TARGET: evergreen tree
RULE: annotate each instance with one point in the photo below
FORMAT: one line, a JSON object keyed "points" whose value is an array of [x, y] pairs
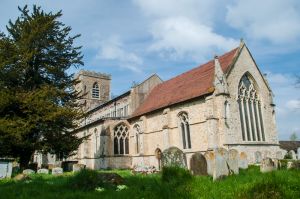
{"points": [[38, 103]]}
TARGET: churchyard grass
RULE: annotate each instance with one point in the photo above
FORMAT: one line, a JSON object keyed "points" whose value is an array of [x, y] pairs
{"points": [[248, 184]]}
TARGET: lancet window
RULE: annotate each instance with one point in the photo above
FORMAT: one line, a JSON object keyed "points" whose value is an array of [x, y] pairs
{"points": [[185, 130]]}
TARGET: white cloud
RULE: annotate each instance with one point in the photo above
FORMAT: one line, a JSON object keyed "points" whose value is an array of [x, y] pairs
{"points": [[277, 21], [113, 49], [184, 29], [293, 104], [182, 37]]}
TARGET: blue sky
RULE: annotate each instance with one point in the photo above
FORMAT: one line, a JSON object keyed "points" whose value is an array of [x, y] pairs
{"points": [[135, 38]]}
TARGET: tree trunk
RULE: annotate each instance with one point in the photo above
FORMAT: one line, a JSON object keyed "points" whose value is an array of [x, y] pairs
{"points": [[24, 160]]}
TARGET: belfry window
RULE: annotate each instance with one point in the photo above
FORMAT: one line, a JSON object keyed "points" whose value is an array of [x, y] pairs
{"points": [[95, 91], [121, 140], [185, 130], [250, 111]]}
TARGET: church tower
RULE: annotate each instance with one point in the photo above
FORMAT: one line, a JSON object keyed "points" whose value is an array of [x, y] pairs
{"points": [[95, 88]]}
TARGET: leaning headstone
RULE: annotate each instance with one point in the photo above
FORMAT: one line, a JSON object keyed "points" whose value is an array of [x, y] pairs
{"points": [[5, 168], [210, 160], [267, 165], [173, 157], [258, 157], [233, 161], [279, 155], [198, 164], [289, 165], [298, 153], [28, 171], [292, 154], [78, 167], [221, 168], [43, 171], [57, 171], [243, 161]]}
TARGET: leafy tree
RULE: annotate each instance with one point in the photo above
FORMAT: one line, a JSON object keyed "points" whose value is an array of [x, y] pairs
{"points": [[38, 103], [293, 137]]}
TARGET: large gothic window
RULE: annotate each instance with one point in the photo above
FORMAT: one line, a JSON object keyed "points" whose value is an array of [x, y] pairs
{"points": [[185, 130], [121, 140], [250, 110], [95, 90]]}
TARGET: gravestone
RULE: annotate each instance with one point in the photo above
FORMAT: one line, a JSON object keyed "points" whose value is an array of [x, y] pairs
{"points": [[43, 171], [289, 165], [292, 154], [78, 167], [28, 171], [298, 153], [173, 157], [210, 160], [243, 161], [5, 168], [258, 157], [233, 161], [267, 165], [220, 167], [198, 164], [279, 155], [57, 171]]}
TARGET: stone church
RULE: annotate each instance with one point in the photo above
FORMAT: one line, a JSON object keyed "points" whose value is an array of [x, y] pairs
{"points": [[226, 102]]}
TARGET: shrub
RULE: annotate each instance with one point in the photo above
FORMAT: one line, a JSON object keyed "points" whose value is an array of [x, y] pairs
{"points": [[85, 180]]}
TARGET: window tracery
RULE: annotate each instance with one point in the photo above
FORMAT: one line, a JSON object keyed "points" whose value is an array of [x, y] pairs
{"points": [[250, 111], [121, 140]]}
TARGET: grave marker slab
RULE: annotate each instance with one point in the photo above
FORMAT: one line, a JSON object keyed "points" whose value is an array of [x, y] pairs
{"points": [[57, 171], [198, 164], [221, 168], [292, 154], [267, 165], [243, 161], [43, 171], [28, 171], [173, 157], [233, 161], [210, 160], [258, 157]]}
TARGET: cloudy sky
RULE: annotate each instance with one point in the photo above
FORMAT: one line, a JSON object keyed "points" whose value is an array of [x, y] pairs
{"points": [[132, 39]]}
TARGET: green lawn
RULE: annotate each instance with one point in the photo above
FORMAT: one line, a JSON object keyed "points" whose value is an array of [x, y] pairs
{"points": [[248, 184]]}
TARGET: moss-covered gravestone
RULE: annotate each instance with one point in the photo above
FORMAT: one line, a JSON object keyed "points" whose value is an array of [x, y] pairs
{"points": [[198, 164], [173, 157]]}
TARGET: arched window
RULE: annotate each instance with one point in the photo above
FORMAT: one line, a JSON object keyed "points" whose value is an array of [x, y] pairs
{"points": [[185, 130], [250, 110], [121, 140], [95, 91], [137, 132]]}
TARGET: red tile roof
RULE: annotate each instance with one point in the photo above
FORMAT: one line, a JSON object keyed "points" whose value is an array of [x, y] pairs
{"points": [[194, 83]]}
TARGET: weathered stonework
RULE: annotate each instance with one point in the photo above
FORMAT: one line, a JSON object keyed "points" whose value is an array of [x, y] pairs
{"points": [[213, 121]]}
